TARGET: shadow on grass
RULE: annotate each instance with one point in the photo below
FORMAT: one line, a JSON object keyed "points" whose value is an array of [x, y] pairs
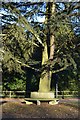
{"points": [[3, 102], [8, 116]]}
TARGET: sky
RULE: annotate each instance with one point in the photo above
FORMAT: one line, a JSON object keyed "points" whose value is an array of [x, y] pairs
{"points": [[37, 18]]}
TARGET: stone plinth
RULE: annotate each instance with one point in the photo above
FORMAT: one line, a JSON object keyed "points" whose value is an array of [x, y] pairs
{"points": [[42, 95]]}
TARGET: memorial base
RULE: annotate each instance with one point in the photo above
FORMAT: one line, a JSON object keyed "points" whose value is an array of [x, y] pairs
{"points": [[43, 95], [39, 97]]}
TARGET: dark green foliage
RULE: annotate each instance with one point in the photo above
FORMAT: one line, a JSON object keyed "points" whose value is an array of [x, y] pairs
{"points": [[24, 42], [13, 80]]}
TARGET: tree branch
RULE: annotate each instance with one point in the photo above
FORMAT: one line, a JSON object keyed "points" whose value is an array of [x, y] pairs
{"points": [[23, 64], [56, 71]]}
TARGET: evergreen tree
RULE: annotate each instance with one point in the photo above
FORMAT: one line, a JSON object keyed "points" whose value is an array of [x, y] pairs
{"points": [[25, 40]]}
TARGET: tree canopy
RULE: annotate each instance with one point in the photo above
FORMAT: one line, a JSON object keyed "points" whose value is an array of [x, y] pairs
{"points": [[25, 37]]}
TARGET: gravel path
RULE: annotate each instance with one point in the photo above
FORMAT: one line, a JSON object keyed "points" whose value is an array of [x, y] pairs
{"points": [[13, 108]]}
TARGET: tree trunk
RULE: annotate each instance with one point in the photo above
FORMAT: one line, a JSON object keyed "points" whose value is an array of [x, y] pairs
{"points": [[45, 80]]}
